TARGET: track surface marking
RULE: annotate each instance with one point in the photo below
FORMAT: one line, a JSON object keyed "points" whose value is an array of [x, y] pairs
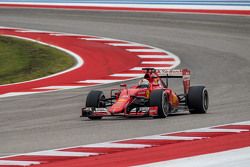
{"points": [[144, 150], [237, 7], [99, 61]]}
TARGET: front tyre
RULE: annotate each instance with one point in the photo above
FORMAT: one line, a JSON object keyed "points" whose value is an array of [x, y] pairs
{"points": [[159, 98], [95, 99], [197, 100]]}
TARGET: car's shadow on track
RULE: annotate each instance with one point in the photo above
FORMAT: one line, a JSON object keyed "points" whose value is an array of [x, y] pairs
{"points": [[121, 118]]}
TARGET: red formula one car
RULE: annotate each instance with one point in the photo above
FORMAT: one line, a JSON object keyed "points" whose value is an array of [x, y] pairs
{"points": [[151, 97]]}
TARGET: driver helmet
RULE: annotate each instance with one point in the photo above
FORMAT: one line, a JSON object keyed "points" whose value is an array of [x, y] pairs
{"points": [[144, 83], [154, 76]]}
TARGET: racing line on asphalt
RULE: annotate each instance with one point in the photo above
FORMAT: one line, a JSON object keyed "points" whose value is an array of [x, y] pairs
{"points": [[99, 61]]}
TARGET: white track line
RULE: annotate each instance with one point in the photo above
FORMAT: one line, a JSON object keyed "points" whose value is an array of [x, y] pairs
{"points": [[18, 163], [100, 81], [146, 50], [62, 153], [230, 158], [157, 62], [117, 145], [160, 137], [33, 31], [99, 39], [126, 44], [154, 56], [66, 34], [16, 94], [9, 28], [60, 87], [140, 68], [127, 75], [242, 123], [217, 130]]}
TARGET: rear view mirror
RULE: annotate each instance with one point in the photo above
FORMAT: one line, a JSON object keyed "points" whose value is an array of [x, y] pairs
{"points": [[123, 85]]}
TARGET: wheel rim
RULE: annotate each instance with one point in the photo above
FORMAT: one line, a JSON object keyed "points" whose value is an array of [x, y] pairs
{"points": [[164, 105], [205, 100], [101, 103]]}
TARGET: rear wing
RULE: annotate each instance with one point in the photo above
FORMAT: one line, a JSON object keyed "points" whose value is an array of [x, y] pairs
{"points": [[178, 73]]}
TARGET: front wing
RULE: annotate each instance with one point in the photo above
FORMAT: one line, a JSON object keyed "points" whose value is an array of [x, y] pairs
{"points": [[103, 112]]}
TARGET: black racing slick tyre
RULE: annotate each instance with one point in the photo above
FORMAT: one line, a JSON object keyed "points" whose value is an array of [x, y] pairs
{"points": [[198, 100], [159, 98], [95, 99]]}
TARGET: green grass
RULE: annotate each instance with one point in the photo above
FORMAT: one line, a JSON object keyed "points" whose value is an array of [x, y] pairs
{"points": [[22, 60]]}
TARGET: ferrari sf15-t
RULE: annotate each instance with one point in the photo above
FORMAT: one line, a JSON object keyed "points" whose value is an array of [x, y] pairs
{"points": [[150, 97]]}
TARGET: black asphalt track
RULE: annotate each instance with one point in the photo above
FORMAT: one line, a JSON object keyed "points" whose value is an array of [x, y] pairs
{"points": [[215, 48]]}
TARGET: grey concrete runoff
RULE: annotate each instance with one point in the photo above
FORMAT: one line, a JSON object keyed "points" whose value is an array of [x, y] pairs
{"points": [[215, 48]]}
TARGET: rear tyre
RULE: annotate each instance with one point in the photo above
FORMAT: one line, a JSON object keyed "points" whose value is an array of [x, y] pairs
{"points": [[198, 100], [159, 98], [95, 99]]}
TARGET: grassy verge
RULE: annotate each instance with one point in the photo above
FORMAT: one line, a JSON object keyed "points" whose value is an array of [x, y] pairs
{"points": [[22, 60]]}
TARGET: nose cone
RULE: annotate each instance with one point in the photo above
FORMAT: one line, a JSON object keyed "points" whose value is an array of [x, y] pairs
{"points": [[119, 105]]}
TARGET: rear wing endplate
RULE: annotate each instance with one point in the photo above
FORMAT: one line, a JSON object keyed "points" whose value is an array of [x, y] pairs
{"points": [[177, 73]]}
